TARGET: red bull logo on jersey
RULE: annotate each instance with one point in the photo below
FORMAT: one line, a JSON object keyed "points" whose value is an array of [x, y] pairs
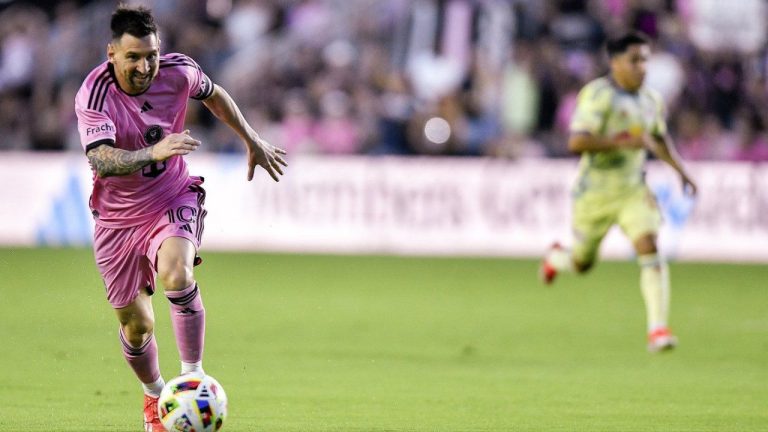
{"points": [[106, 127]]}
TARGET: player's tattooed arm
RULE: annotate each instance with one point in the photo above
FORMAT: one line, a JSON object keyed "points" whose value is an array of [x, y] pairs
{"points": [[108, 161]]}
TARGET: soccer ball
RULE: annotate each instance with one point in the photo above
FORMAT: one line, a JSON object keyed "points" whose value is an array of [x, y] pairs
{"points": [[192, 403]]}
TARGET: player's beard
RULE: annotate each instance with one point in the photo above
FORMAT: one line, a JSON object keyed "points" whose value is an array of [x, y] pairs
{"points": [[141, 82]]}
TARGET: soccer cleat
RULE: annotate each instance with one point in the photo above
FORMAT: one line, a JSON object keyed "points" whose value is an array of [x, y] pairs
{"points": [[548, 272], [661, 339], [151, 419]]}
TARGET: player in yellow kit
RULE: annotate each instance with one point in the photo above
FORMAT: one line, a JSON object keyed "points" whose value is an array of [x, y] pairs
{"points": [[616, 123]]}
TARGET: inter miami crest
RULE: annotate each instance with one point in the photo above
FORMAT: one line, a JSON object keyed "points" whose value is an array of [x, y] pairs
{"points": [[153, 134]]}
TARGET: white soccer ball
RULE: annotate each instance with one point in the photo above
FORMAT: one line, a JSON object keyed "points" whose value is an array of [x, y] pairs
{"points": [[192, 403]]}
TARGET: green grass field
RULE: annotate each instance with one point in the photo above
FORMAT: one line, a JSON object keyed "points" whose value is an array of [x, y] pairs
{"points": [[316, 343]]}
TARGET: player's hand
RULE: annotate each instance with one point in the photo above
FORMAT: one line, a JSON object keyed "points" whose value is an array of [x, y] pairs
{"points": [[689, 187], [267, 156], [173, 145]]}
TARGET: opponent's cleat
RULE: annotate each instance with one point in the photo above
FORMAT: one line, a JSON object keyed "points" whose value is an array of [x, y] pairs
{"points": [[547, 272], [151, 419], [661, 340]]}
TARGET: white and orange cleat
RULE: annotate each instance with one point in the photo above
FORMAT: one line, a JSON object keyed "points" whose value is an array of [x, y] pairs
{"points": [[660, 340], [548, 272], [151, 419]]}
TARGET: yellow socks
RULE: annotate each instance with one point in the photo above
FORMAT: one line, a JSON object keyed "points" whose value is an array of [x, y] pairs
{"points": [[654, 284]]}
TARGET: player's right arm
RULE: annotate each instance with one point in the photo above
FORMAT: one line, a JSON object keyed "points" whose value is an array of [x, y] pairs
{"points": [[108, 161], [586, 142], [581, 142]]}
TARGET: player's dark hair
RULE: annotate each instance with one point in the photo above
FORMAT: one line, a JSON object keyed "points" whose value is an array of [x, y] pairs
{"points": [[137, 22], [619, 45]]}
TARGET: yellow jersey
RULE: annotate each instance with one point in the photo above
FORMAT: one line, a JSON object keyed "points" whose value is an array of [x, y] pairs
{"points": [[604, 109]]}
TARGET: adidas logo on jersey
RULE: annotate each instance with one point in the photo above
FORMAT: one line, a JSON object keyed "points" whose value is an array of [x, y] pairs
{"points": [[146, 107]]}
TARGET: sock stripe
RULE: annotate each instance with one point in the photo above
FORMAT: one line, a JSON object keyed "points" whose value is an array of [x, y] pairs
{"points": [[185, 299], [134, 351]]}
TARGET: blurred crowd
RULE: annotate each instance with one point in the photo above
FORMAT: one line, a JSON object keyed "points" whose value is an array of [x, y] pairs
{"points": [[429, 77]]}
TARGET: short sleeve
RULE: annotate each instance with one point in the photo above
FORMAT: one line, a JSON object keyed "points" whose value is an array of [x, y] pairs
{"points": [[200, 86], [592, 107], [95, 128]]}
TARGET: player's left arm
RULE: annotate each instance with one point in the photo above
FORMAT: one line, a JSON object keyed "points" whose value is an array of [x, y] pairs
{"points": [[260, 152], [664, 149], [660, 144]]}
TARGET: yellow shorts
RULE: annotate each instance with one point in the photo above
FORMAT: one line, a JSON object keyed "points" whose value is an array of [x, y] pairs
{"points": [[594, 213]]}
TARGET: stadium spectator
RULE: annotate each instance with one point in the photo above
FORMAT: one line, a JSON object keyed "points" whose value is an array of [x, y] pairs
{"points": [[444, 49]]}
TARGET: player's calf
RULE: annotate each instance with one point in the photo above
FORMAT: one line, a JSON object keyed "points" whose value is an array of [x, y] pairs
{"points": [[188, 320]]}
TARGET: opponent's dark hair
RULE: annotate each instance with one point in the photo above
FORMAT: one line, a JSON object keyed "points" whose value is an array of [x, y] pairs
{"points": [[619, 45], [137, 22]]}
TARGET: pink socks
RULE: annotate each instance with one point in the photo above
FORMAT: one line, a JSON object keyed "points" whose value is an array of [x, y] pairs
{"points": [[188, 318], [143, 360]]}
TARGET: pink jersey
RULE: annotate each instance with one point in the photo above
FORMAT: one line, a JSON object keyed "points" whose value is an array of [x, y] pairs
{"points": [[106, 115]]}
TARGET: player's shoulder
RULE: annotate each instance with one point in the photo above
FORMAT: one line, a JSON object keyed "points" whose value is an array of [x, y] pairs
{"points": [[598, 85], [177, 60], [652, 94], [96, 77], [94, 88], [596, 91]]}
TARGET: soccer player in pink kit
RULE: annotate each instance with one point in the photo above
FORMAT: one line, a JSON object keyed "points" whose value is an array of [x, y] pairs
{"points": [[148, 210]]}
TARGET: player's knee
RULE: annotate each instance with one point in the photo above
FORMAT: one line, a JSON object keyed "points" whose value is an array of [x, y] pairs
{"points": [[176, 277], [646, 244], [138, 329]]}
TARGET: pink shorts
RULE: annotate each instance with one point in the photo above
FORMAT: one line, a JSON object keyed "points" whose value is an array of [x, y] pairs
{"points": [[127, 257]]}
